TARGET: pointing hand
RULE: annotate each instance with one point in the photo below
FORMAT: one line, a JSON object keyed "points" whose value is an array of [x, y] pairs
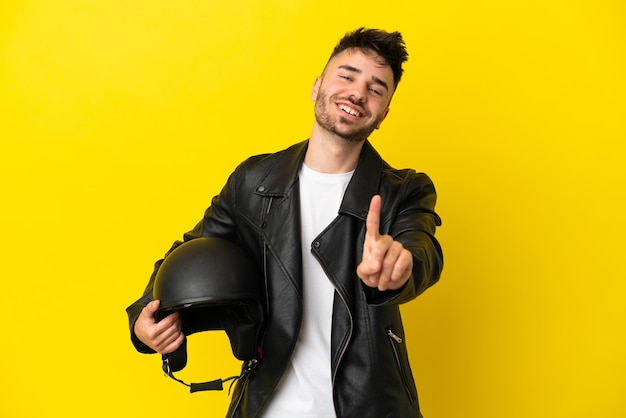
{"points": [[386, 264]]}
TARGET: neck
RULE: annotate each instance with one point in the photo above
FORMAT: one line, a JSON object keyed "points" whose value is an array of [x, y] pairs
{"points": [[328, 153]]}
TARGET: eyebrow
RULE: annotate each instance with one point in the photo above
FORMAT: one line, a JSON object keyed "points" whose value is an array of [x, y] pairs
{"points": [[359, 71]]}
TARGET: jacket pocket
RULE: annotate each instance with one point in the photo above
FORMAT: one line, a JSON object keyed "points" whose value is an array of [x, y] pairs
{"points": [[396, 343]]}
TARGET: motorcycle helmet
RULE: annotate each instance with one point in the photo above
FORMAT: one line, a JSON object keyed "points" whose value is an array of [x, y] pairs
{"points": [[214, 285]]}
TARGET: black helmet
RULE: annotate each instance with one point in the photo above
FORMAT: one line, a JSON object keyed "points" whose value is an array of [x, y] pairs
{"points": [[214, 285]]}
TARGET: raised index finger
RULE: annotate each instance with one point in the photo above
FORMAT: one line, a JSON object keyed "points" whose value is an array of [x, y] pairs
{"points": [[372, 222]]}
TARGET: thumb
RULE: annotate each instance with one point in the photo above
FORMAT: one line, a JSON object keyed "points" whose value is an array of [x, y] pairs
{"points": [[153, 306]]}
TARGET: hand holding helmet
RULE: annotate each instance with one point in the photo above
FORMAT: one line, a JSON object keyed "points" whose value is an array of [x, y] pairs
{"points": [[205, 284], [164, 336]]}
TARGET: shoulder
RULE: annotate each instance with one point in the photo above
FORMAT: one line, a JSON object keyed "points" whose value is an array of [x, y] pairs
{"points": [[408, 191], [270, 173], [406, 179], [266, 161]]}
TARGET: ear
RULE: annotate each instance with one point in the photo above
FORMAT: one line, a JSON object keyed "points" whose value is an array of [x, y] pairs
{"points": [[382, 119], [316, 88]]}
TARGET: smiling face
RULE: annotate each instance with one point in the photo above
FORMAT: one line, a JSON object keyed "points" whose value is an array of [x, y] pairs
{"points": [[352, 96]]}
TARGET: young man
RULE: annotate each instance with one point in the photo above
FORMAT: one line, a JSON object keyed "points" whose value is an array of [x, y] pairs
{"points": [[344, 240]]}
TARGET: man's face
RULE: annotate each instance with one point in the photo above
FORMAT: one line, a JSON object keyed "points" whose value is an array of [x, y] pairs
{"points": [[352, 96]]}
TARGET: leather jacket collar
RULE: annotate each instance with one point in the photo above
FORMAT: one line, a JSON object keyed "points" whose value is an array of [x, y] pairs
{"points": [[365, 182]]}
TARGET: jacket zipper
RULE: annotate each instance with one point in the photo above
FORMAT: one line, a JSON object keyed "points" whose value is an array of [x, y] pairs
{"points": [[345, 345], [247, 377], [243, 385], [395, 342]]}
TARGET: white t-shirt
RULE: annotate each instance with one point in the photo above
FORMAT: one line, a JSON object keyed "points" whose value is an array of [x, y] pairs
{"points": [[305, 390]]}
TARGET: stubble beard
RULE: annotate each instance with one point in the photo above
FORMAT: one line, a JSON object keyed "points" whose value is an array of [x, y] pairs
{"points": [[325, 120]]}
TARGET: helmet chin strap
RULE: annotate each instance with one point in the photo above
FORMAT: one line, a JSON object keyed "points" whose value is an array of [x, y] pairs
{"points": [[213, 384], [177, 360]]}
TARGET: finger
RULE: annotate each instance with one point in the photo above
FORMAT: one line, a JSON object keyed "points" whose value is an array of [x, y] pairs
{"points": [[170, 332], [370, 281], [372, 222], [171, 320], [400, 272], [367, 269], [367, 274], [173, 346], [378, 253], [151, 308], [389, 258], [403, 267], [167, 339]]}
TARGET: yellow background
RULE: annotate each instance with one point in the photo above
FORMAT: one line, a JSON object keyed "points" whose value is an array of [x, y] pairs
{"points": [[120, 119]]}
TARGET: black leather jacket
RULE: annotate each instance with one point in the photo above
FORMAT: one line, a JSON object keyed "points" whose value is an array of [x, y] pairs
{"points": [[259, 209]]}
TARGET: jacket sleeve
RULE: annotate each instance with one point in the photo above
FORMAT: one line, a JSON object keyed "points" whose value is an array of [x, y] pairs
{"points": [[412, 221], [218, 221]]}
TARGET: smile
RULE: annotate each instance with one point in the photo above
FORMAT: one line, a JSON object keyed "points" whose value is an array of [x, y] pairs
{"points": [[349, 110]]}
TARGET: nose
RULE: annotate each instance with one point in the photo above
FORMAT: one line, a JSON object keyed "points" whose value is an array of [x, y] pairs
{"points": [[358, 93]]}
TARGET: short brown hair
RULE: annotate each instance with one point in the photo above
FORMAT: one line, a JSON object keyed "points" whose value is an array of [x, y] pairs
{"points": [[388, 45]]}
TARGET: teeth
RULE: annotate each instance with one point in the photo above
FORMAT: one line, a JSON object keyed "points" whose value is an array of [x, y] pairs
{"points": [[349, 110]]}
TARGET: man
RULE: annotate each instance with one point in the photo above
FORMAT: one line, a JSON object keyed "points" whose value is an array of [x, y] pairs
{"points": [[344, 240]]}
